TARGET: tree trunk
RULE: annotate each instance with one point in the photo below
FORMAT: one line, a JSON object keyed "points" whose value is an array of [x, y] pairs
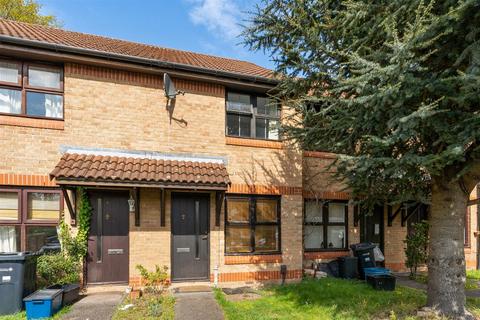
{"points": [[446, 262]]}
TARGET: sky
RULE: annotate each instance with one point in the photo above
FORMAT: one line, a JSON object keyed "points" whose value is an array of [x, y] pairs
{"points": [[205, 26]]}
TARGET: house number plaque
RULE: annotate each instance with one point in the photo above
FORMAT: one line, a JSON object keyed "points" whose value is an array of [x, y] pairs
{"points": [[180, 250]]}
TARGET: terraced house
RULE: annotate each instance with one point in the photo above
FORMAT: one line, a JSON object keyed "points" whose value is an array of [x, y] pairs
{"points": [[200, 182]]}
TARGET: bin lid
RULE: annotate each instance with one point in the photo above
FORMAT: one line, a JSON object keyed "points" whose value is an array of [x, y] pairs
{"points": [[14, 256], [44, 294]]}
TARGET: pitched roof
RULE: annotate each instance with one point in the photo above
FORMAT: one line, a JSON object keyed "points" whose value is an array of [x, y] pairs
{"points": [[94, 43], [133, 170]]}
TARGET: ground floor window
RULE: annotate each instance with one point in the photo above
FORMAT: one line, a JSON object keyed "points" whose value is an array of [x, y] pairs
{"points": [[325, 225], [28, 218], [252, 225]]}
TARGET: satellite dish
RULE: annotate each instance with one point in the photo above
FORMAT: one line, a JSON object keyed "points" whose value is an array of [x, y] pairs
{"points": [[169, 87]]}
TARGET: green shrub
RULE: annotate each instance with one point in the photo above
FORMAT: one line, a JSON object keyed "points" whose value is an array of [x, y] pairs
{"points": [[57, 269], [155, 280], [416, 249]]}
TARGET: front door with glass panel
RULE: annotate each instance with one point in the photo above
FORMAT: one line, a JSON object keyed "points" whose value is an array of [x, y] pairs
{"points": [[108, 243], [190, 236], [371, 227]]}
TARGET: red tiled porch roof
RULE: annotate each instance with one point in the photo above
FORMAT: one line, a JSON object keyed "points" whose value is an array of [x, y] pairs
{"points": [[143, 171], [99, 44]]}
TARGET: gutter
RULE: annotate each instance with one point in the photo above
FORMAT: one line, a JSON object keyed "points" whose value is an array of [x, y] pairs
{"points": [[137, 60]]}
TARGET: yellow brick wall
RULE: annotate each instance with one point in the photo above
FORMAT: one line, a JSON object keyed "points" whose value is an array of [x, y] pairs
{"points": [[106, 113]]}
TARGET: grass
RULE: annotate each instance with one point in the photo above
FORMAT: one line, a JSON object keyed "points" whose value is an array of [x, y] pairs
{"points": [[325, 299], [22, 315], [330, 298], [148, 307], [472, 282]]}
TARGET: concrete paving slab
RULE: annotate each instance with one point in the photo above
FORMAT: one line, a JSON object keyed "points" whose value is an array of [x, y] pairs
{"points": [[198, 306], [95, 306]]}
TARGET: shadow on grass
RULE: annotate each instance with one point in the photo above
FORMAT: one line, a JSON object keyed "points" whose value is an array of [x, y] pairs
{"points": [[325, 299]]}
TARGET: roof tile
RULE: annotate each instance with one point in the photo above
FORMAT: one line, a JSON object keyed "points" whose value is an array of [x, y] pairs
{"points": [[92, 168], [79, 40]]}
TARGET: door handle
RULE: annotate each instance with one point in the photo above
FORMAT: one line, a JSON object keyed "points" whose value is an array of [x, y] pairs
{"points": [[204, 237]]}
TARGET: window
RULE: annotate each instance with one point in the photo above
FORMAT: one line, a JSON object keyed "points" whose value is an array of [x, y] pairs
{"points": [[325, 225], [28, 218], [252, 225], [466, 229], [252, 116], [31, 90]]}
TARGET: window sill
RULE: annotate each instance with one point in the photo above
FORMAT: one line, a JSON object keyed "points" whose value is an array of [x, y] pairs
{"points": [[20, 121], [247, 142], [253, 259]]}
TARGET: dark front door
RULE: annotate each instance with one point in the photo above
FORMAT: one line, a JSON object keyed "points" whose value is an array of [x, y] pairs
{"points": [[371, 227], [108, 238], [190, 236]]}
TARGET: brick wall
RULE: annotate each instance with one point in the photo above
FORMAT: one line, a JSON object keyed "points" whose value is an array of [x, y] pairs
{"points": [[107, 108]]}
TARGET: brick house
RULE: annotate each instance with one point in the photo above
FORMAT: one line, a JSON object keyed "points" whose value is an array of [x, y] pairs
{"points": [[201, 183]]}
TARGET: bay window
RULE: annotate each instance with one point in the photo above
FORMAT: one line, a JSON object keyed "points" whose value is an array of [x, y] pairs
{"points": [[28, 218], [31, 90], [325, 225], [251, 116], [252, 225]]}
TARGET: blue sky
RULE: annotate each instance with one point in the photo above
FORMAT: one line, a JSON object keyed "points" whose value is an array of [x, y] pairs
{"points": [[206, 26]]}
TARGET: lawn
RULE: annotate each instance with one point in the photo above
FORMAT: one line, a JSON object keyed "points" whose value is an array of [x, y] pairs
{"points": [[329, 299], [471, 283], [22, 315], [147, 307]]}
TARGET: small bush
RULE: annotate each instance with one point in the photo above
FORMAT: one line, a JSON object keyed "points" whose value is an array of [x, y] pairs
{"points": [[155, 280], [57, 269], [416, 249]]}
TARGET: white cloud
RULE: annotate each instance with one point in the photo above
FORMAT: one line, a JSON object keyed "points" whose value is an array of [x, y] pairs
{"points": [[220, 17]]}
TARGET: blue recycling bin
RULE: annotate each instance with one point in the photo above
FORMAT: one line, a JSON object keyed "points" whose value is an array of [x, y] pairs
{"points": [[377, 271], [43, 303]]}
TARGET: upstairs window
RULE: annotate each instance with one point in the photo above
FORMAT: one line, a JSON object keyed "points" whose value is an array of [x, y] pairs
{"points": [[251, 116], [31, 90]]}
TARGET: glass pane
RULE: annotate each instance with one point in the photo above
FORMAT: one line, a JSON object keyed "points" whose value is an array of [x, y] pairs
{"points": [[9, 72], [267, 106], [45, 105], [9, 206], [42, 238], [313, 211], [245, 128], [336, 237], [313, 237], [237, 239], [238, 210], [9, 238], [261, 128], [266, 210], [43, 206], [272, 133], [336, 212], [233, 125], [239, 102], [266, 238], [10, 101], [44, 77]]}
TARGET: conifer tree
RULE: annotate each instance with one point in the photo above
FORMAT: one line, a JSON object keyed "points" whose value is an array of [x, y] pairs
{"points": [[393, 88]]}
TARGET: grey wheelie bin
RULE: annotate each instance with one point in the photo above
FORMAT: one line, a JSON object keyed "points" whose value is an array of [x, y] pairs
{"points": [[17, 280]]}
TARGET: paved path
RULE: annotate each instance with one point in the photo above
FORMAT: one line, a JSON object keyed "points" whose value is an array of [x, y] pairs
{"points": [[198, 306], [404, 280], [95, 306]]}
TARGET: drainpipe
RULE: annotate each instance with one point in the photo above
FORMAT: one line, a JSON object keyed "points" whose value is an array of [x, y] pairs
{"points": [[477, 235]]}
